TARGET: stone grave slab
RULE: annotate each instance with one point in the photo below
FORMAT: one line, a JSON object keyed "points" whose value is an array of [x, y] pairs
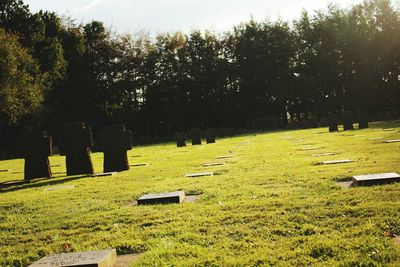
{"points": [[225, 157], [136, 156], [340, 161], [59, 188], [138, 165], [213, 164], [56, 165], [104, 174], [324, 154], [310, 148], [200, 174], [298, 141], [389, 130], [375, 138], [392, 141], [162, 198], [376, 179], [101, 258], [5, 170]]}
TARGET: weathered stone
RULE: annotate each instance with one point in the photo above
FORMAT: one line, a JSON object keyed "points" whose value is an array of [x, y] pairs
{"points": [[75, 141], [213, 164], [195, 135], [337, 161], [310, 148], [104, 174], [348, 120], [375, 138], [363, 119], [180, 138], [225, 157], [392, 141], [376, 179], [201, 174], [324, 154], [103, 258], [36, 147], [210, 135], [162, 198], [115, 141], [138, 165], [333, 122]]}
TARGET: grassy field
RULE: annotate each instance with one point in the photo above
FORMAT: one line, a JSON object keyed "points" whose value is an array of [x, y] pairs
{"points": [[270, 204]]}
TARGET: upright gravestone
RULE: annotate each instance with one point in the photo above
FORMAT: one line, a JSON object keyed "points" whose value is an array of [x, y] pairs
{"points": [[195, 135], [115, 141], [363, 119], [75, 141], [348, 120], [333, 123], [180, 138], [210, 134], [36, 150]]}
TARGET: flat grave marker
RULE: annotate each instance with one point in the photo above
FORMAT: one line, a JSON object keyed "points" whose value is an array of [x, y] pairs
{"points": [[162, 198], [59, 188], [389, 130], [310, 148], [375, 138], [213, 164], [138, 164], [200, 174], [375, 179], [56, 165], [5, 170], [136, 156], [324, 154], [104, 174], [341, 161], [392, 141], [101, 258], [225, 157]]}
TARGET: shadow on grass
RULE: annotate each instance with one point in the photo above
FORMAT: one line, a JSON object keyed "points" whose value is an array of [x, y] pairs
{"points": [[16, 185]]}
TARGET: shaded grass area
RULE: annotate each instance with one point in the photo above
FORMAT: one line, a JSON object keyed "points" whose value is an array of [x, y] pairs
{"points": [[270, 204]]}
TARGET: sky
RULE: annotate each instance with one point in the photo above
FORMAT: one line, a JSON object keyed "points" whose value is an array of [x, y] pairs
{"points": [[155, 16]]}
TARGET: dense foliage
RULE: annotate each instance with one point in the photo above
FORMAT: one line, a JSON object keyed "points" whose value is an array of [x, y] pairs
{"points": [[331, 61]]}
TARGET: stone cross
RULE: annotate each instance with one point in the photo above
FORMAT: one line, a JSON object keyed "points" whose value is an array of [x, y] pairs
{"points": [[362, 120], [348, 120], [36, 150], [115, 141], [180, 138], [195, 134], [75, 141], [210, 134], [333, 123]]}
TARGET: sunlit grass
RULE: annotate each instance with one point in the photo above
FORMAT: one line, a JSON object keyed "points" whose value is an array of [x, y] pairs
{"points": [[269, 204]]}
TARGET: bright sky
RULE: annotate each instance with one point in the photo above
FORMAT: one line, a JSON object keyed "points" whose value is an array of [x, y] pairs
{"points": [[172, 15]]}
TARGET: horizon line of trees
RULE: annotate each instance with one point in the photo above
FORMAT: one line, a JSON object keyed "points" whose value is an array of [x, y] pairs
{"points": [[54, 71]]}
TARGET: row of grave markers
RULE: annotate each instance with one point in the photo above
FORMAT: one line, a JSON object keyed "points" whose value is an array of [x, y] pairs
{"points": [[75, 141]]}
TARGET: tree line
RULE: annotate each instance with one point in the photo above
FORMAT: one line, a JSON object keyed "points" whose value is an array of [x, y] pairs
{"points": [[54, 71]]}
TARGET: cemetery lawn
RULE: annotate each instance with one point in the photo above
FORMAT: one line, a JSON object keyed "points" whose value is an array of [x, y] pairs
{"points": [[270, 204]]}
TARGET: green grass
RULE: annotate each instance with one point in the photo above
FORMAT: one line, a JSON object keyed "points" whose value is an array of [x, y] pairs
{"points": [[269, 205]]}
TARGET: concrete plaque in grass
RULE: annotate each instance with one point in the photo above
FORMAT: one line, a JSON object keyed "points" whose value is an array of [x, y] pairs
{"points": [[392, 141], [200, 174], [102, 258], [5, 170], [213, 164], [310, 148], [376, 179], [162, 198], [138, 165], [104, 174], [340, 161], [375, 138], [225, 157], [324, 154]]}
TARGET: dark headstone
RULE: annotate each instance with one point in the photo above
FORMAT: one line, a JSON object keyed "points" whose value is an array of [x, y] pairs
{"points": [[210, 134], [195, 135], [103, 258], [36, 150], [348, 120], [162, 198], [333, 123], [180, 138], [75, 142], [115, 141], [375, 179], [363, 119]]}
